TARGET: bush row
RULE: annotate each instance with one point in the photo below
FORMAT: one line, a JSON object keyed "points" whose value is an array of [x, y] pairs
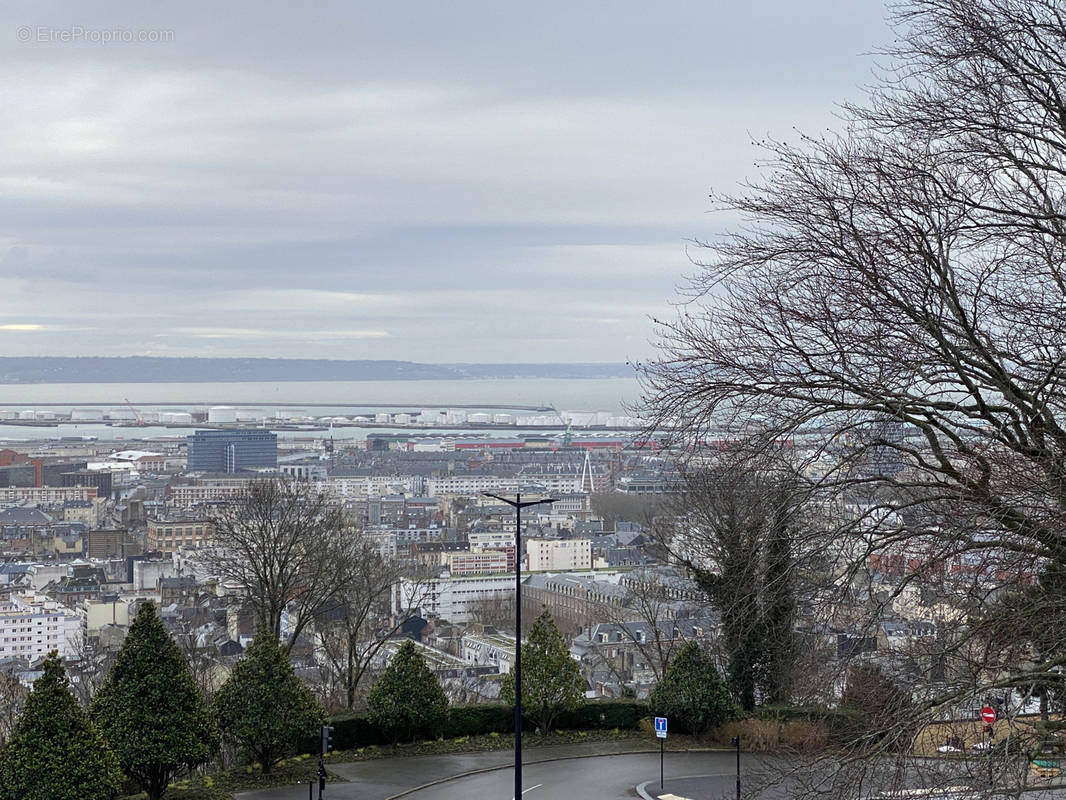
{"points": [[352, 731], [840, 724]]}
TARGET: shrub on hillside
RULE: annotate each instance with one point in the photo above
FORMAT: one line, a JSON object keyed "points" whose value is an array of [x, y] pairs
{"points": [[407, 700]]}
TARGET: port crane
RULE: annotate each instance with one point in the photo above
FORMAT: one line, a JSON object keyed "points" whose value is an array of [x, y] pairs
{"points": [[136, 414]]}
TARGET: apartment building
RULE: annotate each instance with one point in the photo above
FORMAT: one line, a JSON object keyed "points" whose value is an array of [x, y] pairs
{"points": [[451, 597], [558, 555], [467, 562], [187, 495], [32, 625], [361, 487], [488, 647], [168, 535], [46, 495]]}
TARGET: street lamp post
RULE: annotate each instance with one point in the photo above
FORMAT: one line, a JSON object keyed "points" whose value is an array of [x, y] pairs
{"points": [[517, 504]]}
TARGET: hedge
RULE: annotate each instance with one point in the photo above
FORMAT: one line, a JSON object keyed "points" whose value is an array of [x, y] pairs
{"points": [[352, 731], [604, 715], [478, 720]]}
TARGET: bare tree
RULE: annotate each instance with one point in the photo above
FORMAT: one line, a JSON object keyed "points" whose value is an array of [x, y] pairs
{"points": [[87, 664], [893, 305], [12, 698], [355, 625], [495, 610], [202, 658], [289, 547]]}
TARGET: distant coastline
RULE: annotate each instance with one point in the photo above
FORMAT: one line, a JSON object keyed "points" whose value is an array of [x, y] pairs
{"points": [[23, 370]]}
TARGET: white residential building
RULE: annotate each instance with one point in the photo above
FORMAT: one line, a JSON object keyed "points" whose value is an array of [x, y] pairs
{"points": [[32, 625], [361, 487], [475, 484], [46, 495], [489, 649], [451, 598], [558, 555], [481, 540]]}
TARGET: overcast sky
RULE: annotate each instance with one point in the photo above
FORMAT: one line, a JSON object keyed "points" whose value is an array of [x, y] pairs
{"points": [[462, 181]]}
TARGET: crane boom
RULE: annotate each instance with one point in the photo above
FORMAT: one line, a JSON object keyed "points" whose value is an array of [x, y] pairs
{"points": [[136, 414]]}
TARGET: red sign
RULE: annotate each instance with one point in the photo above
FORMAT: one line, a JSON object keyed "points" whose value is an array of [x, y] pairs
{"points": [[988, 714]]}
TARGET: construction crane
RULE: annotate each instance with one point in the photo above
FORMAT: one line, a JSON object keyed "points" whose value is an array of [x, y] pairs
{"points": [[136, 414]]}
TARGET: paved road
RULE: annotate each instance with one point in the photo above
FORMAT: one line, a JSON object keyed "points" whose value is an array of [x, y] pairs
{"points": [[575, 771], [600, 776]]}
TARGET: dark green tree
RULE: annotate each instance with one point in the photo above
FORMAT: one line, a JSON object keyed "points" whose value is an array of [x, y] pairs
{"points": [[551, 679], [150, 710], [692, 692], [407, 699], [263, 706], [55, 752], [740, 519]]}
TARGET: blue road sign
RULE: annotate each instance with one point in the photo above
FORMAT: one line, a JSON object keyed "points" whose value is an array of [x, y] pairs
{"points": [[660, 727]]}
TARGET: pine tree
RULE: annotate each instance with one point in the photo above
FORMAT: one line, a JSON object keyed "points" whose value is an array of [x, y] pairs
{"points": [[551, 679], [692, 692], [263, 706], [55, 752], [407, 699], [150, 710]]}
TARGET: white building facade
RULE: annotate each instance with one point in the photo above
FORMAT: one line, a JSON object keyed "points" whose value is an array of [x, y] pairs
{"points": [[452, 598], [32, 625], [558, 555]]}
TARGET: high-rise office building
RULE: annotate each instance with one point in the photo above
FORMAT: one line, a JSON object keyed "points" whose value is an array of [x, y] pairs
{"points": [[232, 451]]}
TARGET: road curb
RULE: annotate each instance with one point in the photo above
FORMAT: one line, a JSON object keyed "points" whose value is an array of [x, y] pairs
{"points": [[484, 770]]}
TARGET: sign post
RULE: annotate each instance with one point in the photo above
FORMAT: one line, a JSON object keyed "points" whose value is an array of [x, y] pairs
{"points": [[988, 715], [660, 733]]}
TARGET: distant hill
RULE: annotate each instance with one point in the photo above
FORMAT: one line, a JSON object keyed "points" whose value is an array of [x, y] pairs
{"points": [[143, 369]]}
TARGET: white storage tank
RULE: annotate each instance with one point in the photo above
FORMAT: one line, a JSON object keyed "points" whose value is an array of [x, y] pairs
{"points": [[8, 413], [221, 414], [503, 419], [87, 415], [28, 413], [479, 418], [382, 417]]}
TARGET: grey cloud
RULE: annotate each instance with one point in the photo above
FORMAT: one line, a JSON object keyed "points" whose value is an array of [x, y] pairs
{"points": [[414, 169]]}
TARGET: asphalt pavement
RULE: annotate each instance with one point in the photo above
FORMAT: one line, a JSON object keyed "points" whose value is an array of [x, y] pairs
{"points": [[601, 769]]}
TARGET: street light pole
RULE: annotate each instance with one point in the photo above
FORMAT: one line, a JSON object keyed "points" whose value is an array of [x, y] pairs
{"points": [[518, 505], [736, 744]]}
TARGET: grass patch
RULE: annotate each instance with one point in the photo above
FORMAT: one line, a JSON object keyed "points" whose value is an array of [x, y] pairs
{"points": [[220, 785]]}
